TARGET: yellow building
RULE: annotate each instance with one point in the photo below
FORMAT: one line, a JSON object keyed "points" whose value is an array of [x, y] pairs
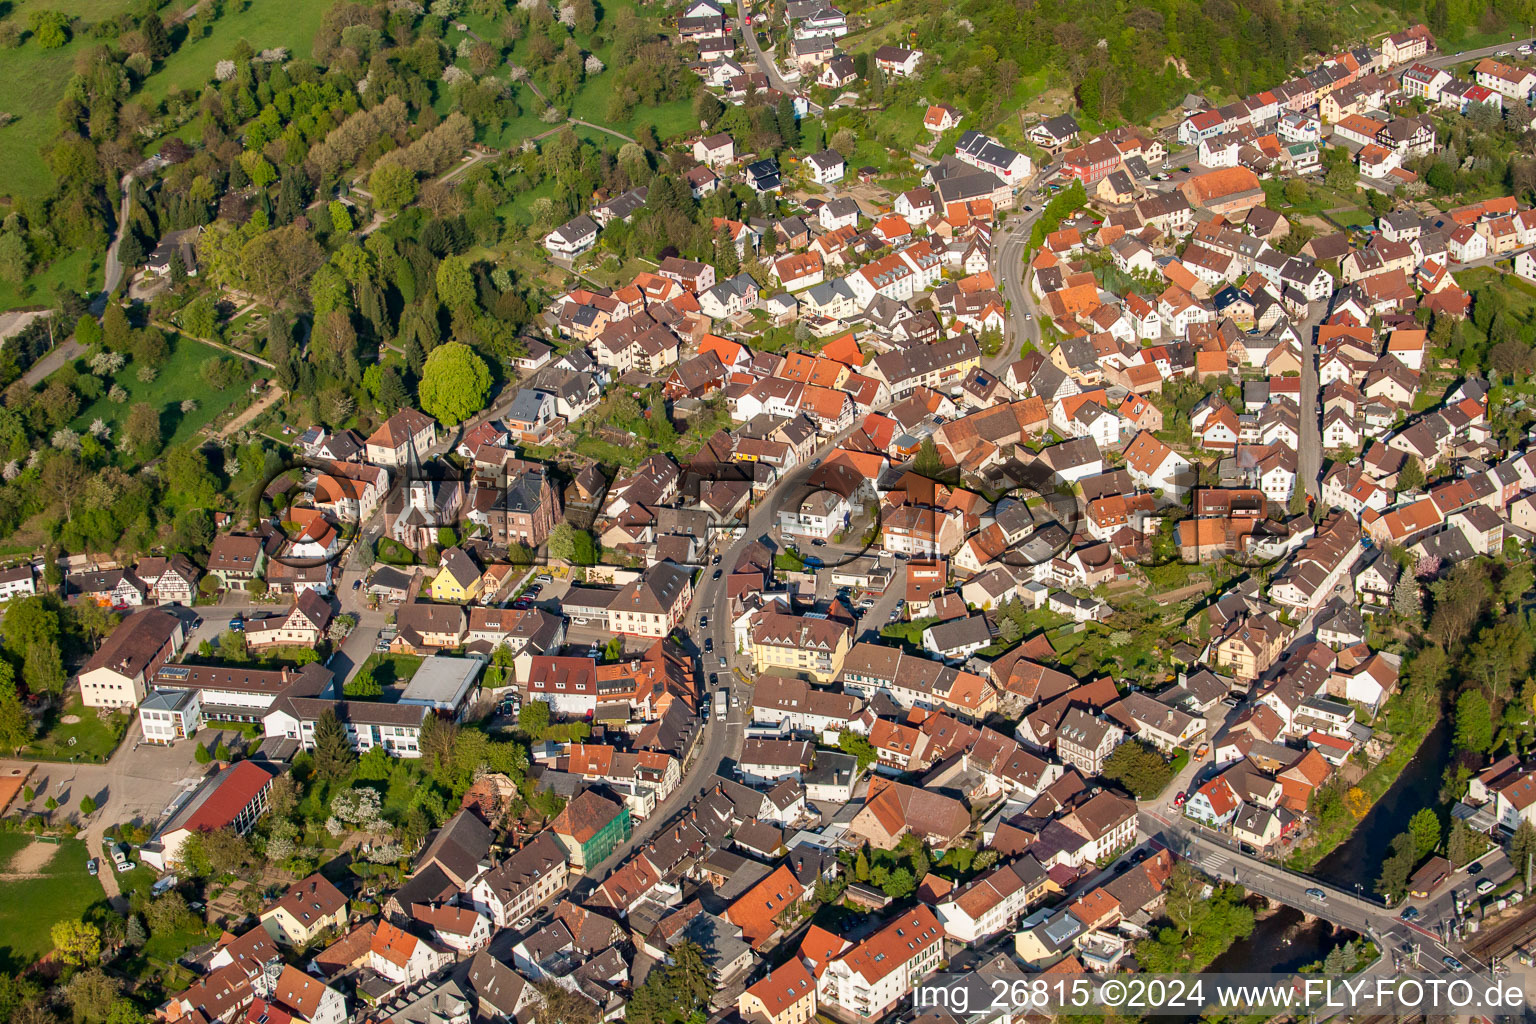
{"points": [[786, 996], [813, 647], [306, 910], [459, 580]]}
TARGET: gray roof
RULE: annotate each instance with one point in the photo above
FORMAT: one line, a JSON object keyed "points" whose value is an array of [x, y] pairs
{"points": [[527, 405], [442, 681], [576, 229]]}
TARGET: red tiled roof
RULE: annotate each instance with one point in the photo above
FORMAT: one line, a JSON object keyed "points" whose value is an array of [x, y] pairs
{"points": [[238, 788]]}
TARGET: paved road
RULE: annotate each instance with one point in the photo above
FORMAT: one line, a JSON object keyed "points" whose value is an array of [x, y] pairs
{"points": [[1212, 853], [1309, 453], [114, 266], [1008, 247], [56, 357], [1446, 60], [764, 61]]}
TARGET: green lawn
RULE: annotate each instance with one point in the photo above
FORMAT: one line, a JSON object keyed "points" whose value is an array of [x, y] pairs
{"points": [[179, 379], [94, 738], [1353, 218], [29, 907], [264, 25], [31, 87], [80, 270], [389, 669]]}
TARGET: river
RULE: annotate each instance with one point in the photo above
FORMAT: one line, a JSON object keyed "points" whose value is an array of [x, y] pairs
{"points": [[1284, 941]]}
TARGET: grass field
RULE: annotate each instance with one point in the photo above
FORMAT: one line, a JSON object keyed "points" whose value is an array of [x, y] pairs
{"points": [[31, 87], [179, 379], [265, 24], [389, 669], [94, 738], [80, 270], [29, 907]]}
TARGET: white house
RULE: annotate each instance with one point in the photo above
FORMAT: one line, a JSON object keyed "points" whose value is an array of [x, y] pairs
{"points": [[826, 167], [572, 238], [1153, 464]]}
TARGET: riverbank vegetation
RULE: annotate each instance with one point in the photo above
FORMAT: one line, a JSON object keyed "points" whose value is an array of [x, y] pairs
{"points": [[1473, 648], [1201, 920]]}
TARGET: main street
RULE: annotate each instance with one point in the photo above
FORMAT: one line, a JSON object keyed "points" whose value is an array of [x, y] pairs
{"points": [[1309, 451], [721, 741], [1008, 251]]}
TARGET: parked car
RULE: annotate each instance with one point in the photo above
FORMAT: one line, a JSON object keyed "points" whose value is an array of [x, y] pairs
{"points": [[237, 624], [1485, 886], [544, 577], [357, 584], [91, 866], [1178, 800], [1202, 750]]}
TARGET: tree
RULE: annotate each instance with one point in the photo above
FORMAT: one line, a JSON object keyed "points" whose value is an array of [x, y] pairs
{"points": [[850, 742], [43, 668], [1395, 869], [87, 805], [363, 685], [1522, 849], [1474, 722], [1424, 827], [136, 934], [116, 331], [1185, 902], [15, 722], [166, 913], [927, 462], [899, 884], [76, 942], [201, 755], [15, 258], [1139, 768], [1408, 601], [563, 1006], [789, 127], [392, 186], [91, 993], [1464, 845], [49, 28], [688, 978], [227, 851], [1411, 476], [341, 217], [142, 430], [333, 754], [533, 719], [568, 543], [455, 283], [454, 383], [201, 318]]}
